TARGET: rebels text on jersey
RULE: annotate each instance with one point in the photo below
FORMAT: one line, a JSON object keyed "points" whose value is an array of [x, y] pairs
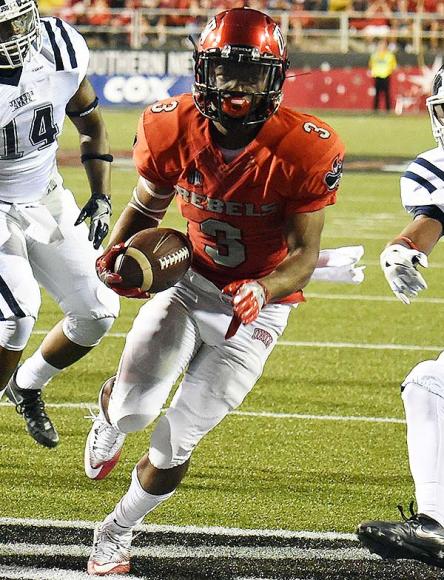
{"points": [[422, 185], [236, 211], [33, 111]]}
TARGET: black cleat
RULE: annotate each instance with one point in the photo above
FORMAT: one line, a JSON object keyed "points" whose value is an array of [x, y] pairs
{"points": [[419, 537], [29, 403]]}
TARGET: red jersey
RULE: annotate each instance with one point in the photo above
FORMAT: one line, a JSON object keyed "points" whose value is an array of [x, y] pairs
{"points": [[236, 211]]}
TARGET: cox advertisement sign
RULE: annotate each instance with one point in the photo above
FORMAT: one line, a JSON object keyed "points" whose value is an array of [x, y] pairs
{"points": [[138, 90]]}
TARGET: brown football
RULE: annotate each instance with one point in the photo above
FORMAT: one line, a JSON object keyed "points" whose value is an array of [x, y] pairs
{"points": [[154, 259]]}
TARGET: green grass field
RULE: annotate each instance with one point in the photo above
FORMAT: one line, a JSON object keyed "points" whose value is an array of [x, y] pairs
{"points": [[265, 472]]}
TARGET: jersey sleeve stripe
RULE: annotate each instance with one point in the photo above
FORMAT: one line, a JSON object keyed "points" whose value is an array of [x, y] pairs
{"points": [[432, 168], [69, 46], [10, 300], [420, 180], [55, 48]]}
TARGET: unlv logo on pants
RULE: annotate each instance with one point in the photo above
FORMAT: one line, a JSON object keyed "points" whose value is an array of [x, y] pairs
{"points": [[263, 335]]}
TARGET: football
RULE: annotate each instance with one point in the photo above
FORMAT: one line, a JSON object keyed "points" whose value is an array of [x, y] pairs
{"points": [[154, 259]]}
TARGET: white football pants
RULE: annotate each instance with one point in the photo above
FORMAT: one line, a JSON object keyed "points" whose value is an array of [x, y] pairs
{"points": [[182, 330], [39, 244]]}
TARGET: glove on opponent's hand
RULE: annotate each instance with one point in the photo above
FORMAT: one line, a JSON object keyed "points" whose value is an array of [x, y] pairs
{"points": [[105, 271], [399, 266], [248, 299], [98, 208]]}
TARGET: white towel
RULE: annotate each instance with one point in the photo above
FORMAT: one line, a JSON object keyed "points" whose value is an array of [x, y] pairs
{"points": [[339, 265], [38, 223]]}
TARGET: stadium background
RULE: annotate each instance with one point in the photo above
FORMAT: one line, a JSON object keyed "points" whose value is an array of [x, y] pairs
{"points": [[319, 444]]}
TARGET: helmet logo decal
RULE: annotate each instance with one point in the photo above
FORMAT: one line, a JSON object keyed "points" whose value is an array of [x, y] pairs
{"points": [[207, 30], [279, 39]]}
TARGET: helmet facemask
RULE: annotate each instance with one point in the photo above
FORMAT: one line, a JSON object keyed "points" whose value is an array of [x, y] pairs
{"points": [[236, 86], [20, 33]]}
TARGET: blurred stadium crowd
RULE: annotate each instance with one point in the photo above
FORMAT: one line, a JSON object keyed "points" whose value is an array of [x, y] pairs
{"points": [[156, 23]]}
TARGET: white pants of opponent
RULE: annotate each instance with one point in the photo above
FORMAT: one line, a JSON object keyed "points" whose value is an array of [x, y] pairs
{"points": [[39, 244], [179, 331]]}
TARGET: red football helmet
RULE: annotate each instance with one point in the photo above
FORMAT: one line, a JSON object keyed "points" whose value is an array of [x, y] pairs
{"points": [[240, 65]]}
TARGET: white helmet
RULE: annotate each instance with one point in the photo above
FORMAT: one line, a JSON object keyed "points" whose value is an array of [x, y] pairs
{"points": [[435, 105], [20, 32]]}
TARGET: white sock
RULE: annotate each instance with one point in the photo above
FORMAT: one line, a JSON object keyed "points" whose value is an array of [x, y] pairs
{"points": [[136, 504], [35, 372], [424, 446]]}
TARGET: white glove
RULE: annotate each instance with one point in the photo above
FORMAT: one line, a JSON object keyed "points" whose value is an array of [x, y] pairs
{"points": [[399, 266]]}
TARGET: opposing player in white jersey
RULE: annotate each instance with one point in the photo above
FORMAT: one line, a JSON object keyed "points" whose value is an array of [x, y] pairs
{"points": [[42, 238], [421, 536]]}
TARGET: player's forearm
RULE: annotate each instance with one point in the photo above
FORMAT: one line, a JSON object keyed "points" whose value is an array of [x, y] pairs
{"points": [[94, 142], [424, 232], [292, 274]]}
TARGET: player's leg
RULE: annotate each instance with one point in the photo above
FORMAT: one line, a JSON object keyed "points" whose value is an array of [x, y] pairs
{"points": [[19, 306], [66, 270], [158, 347], [422, 535], [217, 381]]}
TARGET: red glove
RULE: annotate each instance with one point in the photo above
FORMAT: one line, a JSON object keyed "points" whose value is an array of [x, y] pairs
{"points": [[105, 267], [249, 297]]}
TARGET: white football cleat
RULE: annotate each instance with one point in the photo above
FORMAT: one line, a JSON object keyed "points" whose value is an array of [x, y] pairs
{"points": [[103, 446], [110, 553]]}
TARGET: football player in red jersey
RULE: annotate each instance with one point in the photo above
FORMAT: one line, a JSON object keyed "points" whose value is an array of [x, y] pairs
{"points": [[252, 179]]}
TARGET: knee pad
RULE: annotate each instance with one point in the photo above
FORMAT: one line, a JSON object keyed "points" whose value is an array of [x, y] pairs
{"points": [[86, 331], [15, 332], [428, 374], [165, 451], [180, 430]]}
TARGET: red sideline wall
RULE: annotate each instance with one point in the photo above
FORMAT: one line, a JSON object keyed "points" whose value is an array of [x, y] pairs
{"points": [[352, 88]]}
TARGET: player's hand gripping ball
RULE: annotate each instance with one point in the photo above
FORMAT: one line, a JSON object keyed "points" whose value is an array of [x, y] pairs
{"points": [[248, 298], [151, 261]]}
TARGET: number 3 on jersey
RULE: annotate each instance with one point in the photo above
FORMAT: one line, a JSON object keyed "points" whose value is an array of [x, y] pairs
{"points": [[229, 250], [42, 133]]}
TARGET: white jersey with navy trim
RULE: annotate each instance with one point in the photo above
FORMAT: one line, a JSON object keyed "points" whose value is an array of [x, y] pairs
{"points": [[32, 111], [422, 184]]}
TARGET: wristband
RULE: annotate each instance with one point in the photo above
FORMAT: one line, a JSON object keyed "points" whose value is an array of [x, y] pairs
{"points": [[89, 109], [409, 242], [101, 156]]}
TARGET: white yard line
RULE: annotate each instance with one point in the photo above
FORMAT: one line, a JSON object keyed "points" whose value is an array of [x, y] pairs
{"points": [[251, 414], [310, 417], [361, 345], [318, 344], [185, 552], [27, 573], [370, 298], [208, 530]]}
